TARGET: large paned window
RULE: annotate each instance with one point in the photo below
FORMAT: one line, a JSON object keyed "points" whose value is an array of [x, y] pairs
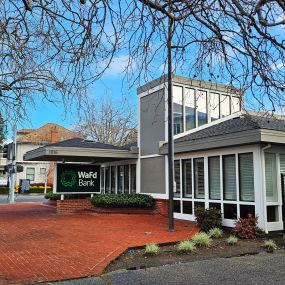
{"points": [[177, 178], [120, 179], [246, 177], [133, 178], [201, 102], [177, 109], [225, 105], [214, 106], [102, 179], [107, 180], [113, 179], [199, 185], [187, 178], [190, 113], [271, 177], [235, 104], [30, 173], [229, 177], [214, 178], [126, 179]]}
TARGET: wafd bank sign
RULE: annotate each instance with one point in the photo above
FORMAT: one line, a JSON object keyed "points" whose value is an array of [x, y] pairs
{"points": [[78, 178]]}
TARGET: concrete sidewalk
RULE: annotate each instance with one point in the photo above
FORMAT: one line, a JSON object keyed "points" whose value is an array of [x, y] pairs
{"points": [[36, 245], [261, 269]]}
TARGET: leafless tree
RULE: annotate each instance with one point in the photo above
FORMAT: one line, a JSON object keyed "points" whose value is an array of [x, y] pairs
{"points": [[61, 47], [107, 122]]}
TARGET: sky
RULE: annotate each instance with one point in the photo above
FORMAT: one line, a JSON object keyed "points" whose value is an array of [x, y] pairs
{"points": [[42, 111]]}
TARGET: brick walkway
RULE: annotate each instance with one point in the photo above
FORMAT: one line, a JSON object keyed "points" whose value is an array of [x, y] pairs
{"points": [[38, 245]]}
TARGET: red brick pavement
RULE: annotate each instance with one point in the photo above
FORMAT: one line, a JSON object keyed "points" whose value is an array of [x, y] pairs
{"points": [[37, 245]]}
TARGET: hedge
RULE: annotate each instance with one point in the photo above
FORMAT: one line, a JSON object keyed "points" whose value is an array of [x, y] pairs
{"points": [[123, 201], [33, 189], [54, 196]]}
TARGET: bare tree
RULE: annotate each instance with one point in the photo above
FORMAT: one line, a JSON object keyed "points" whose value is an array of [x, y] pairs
{"points": [[107, 122], [61, 47]]}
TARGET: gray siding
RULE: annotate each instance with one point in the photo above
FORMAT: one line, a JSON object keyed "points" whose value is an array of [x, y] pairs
{"points": [[153, 175], [152, 122]]}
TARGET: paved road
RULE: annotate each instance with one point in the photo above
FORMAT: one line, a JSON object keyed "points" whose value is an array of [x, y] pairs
{"points": [[259, 269], [24, 198]]}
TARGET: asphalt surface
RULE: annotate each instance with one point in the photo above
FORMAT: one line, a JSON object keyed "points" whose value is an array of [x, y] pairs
{"points": [[263, 268], [23, 198]]}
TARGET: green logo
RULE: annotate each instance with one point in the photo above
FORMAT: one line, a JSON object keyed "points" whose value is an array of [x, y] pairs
{"points": [[68, 178]]}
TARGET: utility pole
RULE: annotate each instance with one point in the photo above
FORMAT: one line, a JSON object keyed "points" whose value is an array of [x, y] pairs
{"points": [[170, 123], [13, 170]]}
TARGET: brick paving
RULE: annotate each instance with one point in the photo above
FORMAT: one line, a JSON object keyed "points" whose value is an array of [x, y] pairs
{"points": [[37, 245]]}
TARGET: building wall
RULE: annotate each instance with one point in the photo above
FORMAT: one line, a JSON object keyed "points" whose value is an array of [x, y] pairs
{"points": [[152, 122]]}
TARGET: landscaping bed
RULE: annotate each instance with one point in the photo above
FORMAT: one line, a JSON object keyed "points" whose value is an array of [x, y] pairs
{"points": [[137, 258]]}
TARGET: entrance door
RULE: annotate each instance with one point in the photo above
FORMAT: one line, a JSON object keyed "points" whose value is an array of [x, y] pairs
{"points": [[283, 198]]}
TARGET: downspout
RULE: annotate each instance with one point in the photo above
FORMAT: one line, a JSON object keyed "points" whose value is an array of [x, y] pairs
{"points": [[264, 185]]}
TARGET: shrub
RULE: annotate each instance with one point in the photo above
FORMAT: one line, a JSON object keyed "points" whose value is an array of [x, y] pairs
{"points": [[123, 201], [186, 246], [39, 189], [247, 228], [270, 245], [52, 196], [208, 218], [232, 240], [152, 249], [202, 239], [4, 190], [215, 233]]}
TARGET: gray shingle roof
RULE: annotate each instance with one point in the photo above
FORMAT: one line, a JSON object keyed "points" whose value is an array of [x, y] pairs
{"points": [[79, 142], [242, 123]]}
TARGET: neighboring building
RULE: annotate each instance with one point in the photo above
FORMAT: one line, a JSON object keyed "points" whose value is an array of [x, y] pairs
{"points": [[224, 157], [29, 139]]}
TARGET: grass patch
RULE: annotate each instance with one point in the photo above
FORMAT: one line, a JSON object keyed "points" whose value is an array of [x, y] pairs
{"points": [[186, 246], [202, 240], [270, 245], [215, 233], [232, 240], [152, 249]]}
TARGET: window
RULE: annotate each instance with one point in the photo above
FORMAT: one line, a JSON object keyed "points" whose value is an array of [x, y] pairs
{"points": [[202, 107], [120, 174], [214, 106], [235, 106], [102, 179], [271, 177], [177, 177], [246, 177], [225, 105], [199, 188], [214, 178], [113, 179], [30, 173], [190, 114], [133, 178], [126, 179], [187, 178], [43, 171], [177, 109], [229, 177], [107, 180]]}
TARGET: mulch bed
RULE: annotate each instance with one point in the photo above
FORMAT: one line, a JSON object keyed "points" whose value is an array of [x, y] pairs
{"points": [[134, 259]]}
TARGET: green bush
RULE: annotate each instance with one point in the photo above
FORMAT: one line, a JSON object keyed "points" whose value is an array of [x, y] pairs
{"points": [[39, 189], [208, 218], [202, 239], [186, 246], [52, 196], [152, 249], [123, 201], [232, 240], [215, 233]]}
